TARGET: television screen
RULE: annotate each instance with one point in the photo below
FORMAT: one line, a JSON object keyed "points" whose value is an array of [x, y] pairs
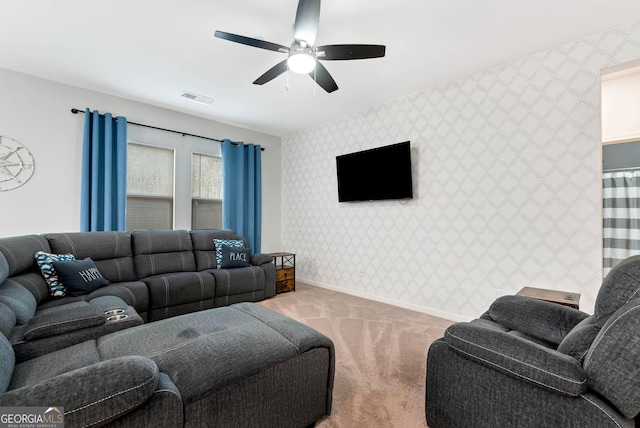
{"points": [[375, 174]]}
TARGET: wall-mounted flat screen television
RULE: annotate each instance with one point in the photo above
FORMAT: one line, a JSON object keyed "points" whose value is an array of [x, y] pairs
{"points": [[375, 174]]}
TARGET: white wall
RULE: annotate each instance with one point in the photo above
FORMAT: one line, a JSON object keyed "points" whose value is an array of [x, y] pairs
{"points": [[621, 104], [37, 113], [507, 187]]}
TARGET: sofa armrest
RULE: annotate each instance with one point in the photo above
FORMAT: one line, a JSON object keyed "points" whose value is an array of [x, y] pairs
{"points": [[261, 259], [92, 395], [547, 321], [518, 357], [63, 319]]}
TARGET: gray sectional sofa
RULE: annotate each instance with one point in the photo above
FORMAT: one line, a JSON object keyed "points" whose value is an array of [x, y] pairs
{"points": [[160, 273], [171, 341]]}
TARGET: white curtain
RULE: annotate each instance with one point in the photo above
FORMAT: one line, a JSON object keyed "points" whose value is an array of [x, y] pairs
{"points": [[621, 216]]}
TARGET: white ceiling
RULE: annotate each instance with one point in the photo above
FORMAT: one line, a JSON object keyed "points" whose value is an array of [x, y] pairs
{"points": [[154, 50]]}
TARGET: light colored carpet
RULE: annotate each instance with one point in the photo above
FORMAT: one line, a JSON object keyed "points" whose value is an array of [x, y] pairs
{"points": [[381, 353]]}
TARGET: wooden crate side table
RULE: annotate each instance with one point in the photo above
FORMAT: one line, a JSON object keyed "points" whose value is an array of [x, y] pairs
{"points": [[553, 296], [285, 272]]}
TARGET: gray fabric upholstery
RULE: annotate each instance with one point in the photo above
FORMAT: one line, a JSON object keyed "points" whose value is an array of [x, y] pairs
{"points": [[544, 320], [261, 259], [51, 323], [19, 300], [215, 334], [7, 320], [28, 349], [585, 374], [463, 393], [166, 253], [204, 248], [111, 251], [164, 408], [7, 363], [35, 284], [91, 395], [177, 289], [518, 357], [239, 281], [4, 268], [19, 252], [224, 367], [53, 364], [621, 285], [612, 361], [264, 392], [577, 342], [162, 251]]}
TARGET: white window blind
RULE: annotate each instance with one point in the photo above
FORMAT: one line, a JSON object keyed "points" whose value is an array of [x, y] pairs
{"points": [[206, 191], [150, 176]]}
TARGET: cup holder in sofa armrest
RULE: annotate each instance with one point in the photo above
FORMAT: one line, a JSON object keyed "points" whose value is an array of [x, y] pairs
{"points": [[63, 321], [118, 317]]}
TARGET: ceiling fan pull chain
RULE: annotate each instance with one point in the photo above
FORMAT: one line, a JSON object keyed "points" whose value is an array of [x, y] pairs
{"points": [[315, 80], [287, 78]]}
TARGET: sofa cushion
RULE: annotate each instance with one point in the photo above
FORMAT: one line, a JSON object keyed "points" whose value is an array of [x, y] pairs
{"points": [[34, 282], [110, 251], [205, 249], [235, 257], [7, 320], [19, 251], [621, 285], [4, 268], [156, 252], [7, 363], [578, 341], [19, 300], [611, 363], [219, 243], [45, 262], [179, 288], [80, 276], [230, 282], [55, 363]]}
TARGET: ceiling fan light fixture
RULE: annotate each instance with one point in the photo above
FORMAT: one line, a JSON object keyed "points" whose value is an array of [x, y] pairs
{"points": [[301, 61]]}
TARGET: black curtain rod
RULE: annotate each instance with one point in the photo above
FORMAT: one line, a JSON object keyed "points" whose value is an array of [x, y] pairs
{"points": [[184, 134]]}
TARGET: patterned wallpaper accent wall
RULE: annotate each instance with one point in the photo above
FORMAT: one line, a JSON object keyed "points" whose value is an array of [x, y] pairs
{"points": [[507, 187]]}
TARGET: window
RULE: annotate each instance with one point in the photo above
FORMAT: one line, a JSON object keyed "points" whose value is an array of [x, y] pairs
{"points": [[206, 192], [149, 187]]}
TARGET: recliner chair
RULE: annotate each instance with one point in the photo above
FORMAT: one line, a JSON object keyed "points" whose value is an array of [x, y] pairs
{"points": [[530, 363]]}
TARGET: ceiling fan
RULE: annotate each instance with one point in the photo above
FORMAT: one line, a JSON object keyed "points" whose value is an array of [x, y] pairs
{"points": [[303, 54]]}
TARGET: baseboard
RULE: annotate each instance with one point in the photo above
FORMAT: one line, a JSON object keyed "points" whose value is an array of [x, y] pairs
{"points": [[412, 307]]}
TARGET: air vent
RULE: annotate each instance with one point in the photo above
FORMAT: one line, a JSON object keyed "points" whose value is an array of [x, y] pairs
{"points": [[200, 99]]}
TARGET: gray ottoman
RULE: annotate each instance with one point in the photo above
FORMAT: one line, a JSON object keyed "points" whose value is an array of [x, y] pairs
{"points": [[237, 366]]}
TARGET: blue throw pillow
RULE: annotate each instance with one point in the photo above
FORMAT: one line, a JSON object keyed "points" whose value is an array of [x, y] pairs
{"points": [[80, 276], [235, 257], [218, 245], [45, 262]]}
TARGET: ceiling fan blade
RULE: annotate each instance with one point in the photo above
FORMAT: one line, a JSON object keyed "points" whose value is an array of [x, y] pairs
{"points": [[345, 52], [251, 42], [272, 73], [323, 78], [307, 20]]}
